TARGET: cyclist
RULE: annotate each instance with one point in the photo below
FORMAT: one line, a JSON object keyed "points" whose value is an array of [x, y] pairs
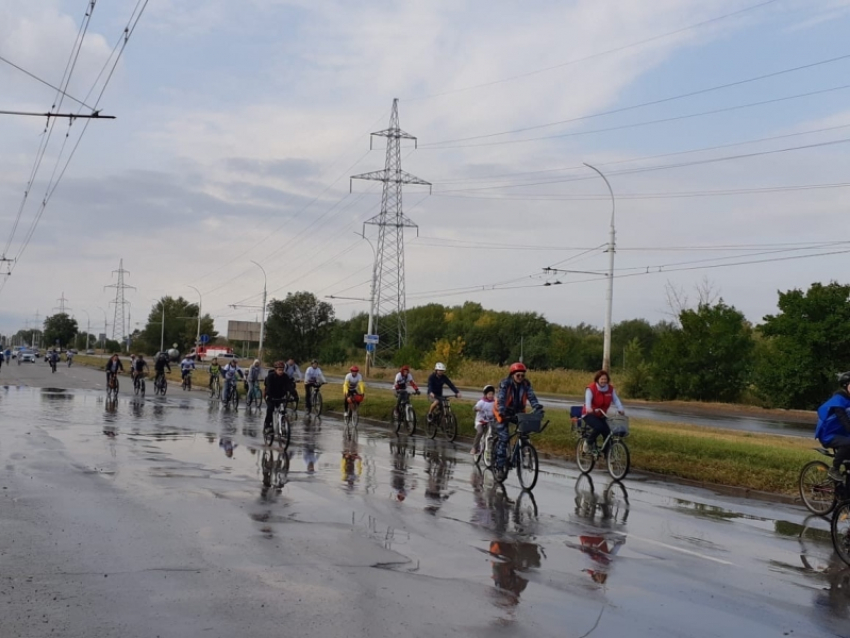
{"points": [[833, 429], [353, 388], [53, 358], [436, 382], [138, 367], [113, 366], [186, 366], [598, 397], [69, 357], [253, 376], [215, 370], [402, 380], [484, 415], [277, 386], [230, 372], [515, 392], [313, 378], [294, 373], [160, 366], [133, 368]]}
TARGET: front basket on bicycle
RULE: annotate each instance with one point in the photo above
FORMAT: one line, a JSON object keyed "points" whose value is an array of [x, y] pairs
{"points": [[529, 423], [619, 425]]}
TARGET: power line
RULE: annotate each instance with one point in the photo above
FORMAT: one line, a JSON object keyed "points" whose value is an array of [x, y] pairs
{"points": [[45, 82], [663, 120], [655, 102], [599, 54]]}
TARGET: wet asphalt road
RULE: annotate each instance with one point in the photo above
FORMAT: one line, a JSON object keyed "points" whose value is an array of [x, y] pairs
{"points": [[167, 517]]}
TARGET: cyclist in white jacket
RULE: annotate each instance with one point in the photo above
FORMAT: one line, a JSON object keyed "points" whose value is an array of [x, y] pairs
{"points": [[313, 378]]}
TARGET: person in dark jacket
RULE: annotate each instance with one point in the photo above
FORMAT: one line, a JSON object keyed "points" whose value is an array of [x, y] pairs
{"points": [[436, 382], [833, 429], [113, 366], [277, 387], [514, 393]]}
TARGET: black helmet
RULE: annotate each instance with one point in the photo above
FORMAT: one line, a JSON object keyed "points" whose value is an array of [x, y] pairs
{"points": [[844, 379]]}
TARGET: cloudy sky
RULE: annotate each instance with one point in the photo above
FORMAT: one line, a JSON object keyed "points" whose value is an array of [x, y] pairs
{"points": [[239, 124]]}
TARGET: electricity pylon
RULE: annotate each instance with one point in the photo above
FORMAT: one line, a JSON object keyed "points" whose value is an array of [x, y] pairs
{"points": [[388, 299], [119, 324]]}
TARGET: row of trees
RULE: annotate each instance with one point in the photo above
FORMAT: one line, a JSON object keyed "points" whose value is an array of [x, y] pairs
{"points": [[710, 352]]}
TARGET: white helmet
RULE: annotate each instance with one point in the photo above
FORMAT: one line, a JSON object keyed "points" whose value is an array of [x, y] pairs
{"points": [[441, 367], [256, 362]]}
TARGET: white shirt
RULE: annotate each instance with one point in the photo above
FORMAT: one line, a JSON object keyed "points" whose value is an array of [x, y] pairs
{"points": [[484, 412], [293, 371], [314, 375], [404, 380], [353, 380]]}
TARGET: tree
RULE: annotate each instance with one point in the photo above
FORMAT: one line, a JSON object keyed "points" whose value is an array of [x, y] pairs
{"points": [[298, 326], [59, 329], [707, 359], [806, 344], [181, 326]]}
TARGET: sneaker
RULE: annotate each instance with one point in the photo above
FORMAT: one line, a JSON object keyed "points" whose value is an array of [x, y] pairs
{"points": [[474, 451], [429, 418], [585, 447], [835, 475]]}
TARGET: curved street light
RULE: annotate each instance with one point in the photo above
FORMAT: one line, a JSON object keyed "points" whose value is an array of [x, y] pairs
{"points": [[263, 320], [200, 302]]}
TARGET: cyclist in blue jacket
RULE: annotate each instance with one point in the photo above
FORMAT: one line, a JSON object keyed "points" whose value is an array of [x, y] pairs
{"points": [[833, 429]]}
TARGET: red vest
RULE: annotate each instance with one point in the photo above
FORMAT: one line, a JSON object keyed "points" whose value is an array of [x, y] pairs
{"points": [[601, 400]]}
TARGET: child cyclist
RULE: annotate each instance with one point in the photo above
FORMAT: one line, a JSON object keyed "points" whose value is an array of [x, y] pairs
{"points": [[215, 370], [484, 415]]}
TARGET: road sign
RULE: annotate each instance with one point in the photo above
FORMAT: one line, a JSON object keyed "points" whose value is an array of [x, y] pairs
{"points": [[204, 339], [370, 339], [370, 347]]}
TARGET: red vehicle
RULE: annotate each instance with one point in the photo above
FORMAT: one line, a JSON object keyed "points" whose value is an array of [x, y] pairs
{"points": [[205, 353]]}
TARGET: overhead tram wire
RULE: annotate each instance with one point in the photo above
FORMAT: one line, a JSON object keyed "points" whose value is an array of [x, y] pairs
{"points": [[703, 149], [44, 82], [655, 102], [663, 120], [44, 142], [592, 56], [132, 23], [646, 169]]}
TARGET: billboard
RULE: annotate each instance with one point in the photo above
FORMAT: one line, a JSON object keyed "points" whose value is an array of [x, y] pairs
{"points": [[243, 331]]}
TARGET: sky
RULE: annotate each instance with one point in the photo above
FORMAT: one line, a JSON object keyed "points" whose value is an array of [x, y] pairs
{"points": [[237, 129]]}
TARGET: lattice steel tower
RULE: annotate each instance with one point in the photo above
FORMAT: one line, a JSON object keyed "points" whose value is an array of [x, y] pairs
{"points": [[388, 311], [118, 322]]}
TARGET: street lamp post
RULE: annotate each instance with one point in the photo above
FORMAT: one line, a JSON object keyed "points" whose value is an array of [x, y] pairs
{"points": [[263, 320], [612, 246], [200, 302], [88, 328], [105, 326]]}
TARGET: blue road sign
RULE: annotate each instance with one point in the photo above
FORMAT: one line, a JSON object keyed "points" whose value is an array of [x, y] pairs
{"points": [[205, 339], [370, 347]]}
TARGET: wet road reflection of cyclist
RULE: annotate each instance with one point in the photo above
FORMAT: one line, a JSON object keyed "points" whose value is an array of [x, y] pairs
{"points": [[311, 454], [227, 444], [601, 543], [439, 468], [351, 465], [275, 468], [402, 450]]}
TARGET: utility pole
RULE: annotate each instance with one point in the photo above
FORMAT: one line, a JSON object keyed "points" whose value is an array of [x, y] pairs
{"points": [[118, 321], [388, 290], [612, 248], [200, 303], [105, 327], [263, 320]]}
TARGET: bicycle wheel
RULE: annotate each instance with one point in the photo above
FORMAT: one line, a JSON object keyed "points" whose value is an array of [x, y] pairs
{"points": [[317, 403], [527, 469], [585, 460], [816, 488], [396, 419], [189, 382], [500, 473], [840, 529], [136, 387], [163, 386], [410, 419], [489, 450], [619, 460], [284, 431], [142, 388], [355, 416], [450, 426], [432, 424], [268, 434]]}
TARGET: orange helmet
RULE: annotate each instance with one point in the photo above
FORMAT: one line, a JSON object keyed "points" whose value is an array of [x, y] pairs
{"points": [[405, 368], [518, 367], [354, 369]]}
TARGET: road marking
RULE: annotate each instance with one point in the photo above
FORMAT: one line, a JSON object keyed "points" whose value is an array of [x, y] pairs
{"points": [[679, 549]]}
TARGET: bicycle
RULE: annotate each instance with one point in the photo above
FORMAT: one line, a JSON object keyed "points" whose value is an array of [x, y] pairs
{"points": [[253, 398], [839, 529], [160, 384], [522, 455], [139, 384], [187, 380], [404, 414], [112, 387], [351, 416], [614, 448], [316, 403], [231, 395], [820, 493], [281, 427], [487, 447], [442, 416], [215, 387]]}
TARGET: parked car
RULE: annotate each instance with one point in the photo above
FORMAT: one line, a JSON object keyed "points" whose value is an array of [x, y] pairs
{"points": [[89, 351]]}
